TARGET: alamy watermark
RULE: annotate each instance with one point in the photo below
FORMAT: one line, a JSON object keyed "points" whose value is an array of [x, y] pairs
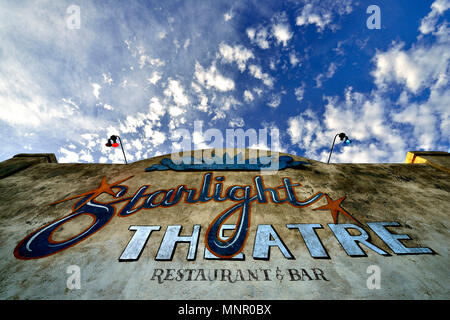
{"points": [[74, 280], [73, 20], [212, 141], [374, 280], [374, 20]]}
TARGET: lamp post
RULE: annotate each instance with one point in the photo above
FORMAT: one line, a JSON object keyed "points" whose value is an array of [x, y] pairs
{"points": [[343, 137], [112, 142]]}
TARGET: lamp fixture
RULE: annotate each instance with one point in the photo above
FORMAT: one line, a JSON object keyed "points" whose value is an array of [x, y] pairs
{"points": [[112, 142], [343, 138]]}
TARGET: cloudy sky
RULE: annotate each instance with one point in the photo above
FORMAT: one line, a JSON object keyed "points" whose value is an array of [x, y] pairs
{"points": [[143, 69]]}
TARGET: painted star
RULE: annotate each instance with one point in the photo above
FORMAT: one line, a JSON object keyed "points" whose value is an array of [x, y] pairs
{"points": [[104, 187], [335, 208]]}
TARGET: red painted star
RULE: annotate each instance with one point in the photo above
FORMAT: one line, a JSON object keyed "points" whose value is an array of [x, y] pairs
{"points": [[104, 187], [335, 208]]}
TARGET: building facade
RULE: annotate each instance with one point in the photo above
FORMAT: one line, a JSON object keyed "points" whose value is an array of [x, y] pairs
{"points": [[221, 226]]}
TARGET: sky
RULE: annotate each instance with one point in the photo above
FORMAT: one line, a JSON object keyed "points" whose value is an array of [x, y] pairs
{"points": [[73, 73]]}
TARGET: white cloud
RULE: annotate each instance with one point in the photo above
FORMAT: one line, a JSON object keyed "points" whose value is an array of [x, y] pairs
{"points": [[278, 30], [309, 15], [321, 14], [115, 155], [175, 111], [103, 159], [368, 153], [110, 130], [212, 78], [270, 140], [218, 114], [176, 44], [260, 37], [158, 138], [362, 117], [299, 92], [329, 74], [416, 68], [318, 80], [31, 111], [86, 156], [154, 138], [138, 155], [70, 103], [203, 105], [256, 71], [251, 32], [137, 144], [33, 100], [429, 120], [438, 7], [248, 96], [96, 90], [396, 65], [107, 79], [423, 120], [274, 101], [331, 70], [303, 128], [157, 62], [293, 59], [229, 102], [155, 77], [68, 156], [176, 91], [236, 122], [198, 138], [186, 44], [282, 33], [258, 91], [155, 110], [132, 123], [272, 65], [228, 16], [142, 60], [238, 54], [261, 145]]}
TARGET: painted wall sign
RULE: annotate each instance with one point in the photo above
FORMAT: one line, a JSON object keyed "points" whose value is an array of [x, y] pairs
{"points": [[40, 243], [228, 163]]}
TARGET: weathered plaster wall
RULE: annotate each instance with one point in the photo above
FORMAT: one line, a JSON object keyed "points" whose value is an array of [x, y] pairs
{"points": [[415, 195]]}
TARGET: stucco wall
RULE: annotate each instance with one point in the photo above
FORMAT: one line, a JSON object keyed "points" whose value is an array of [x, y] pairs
{"points": [[414, 195]]}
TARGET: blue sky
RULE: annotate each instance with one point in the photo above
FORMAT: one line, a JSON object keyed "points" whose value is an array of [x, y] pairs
{"points": [[143, 69]]}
